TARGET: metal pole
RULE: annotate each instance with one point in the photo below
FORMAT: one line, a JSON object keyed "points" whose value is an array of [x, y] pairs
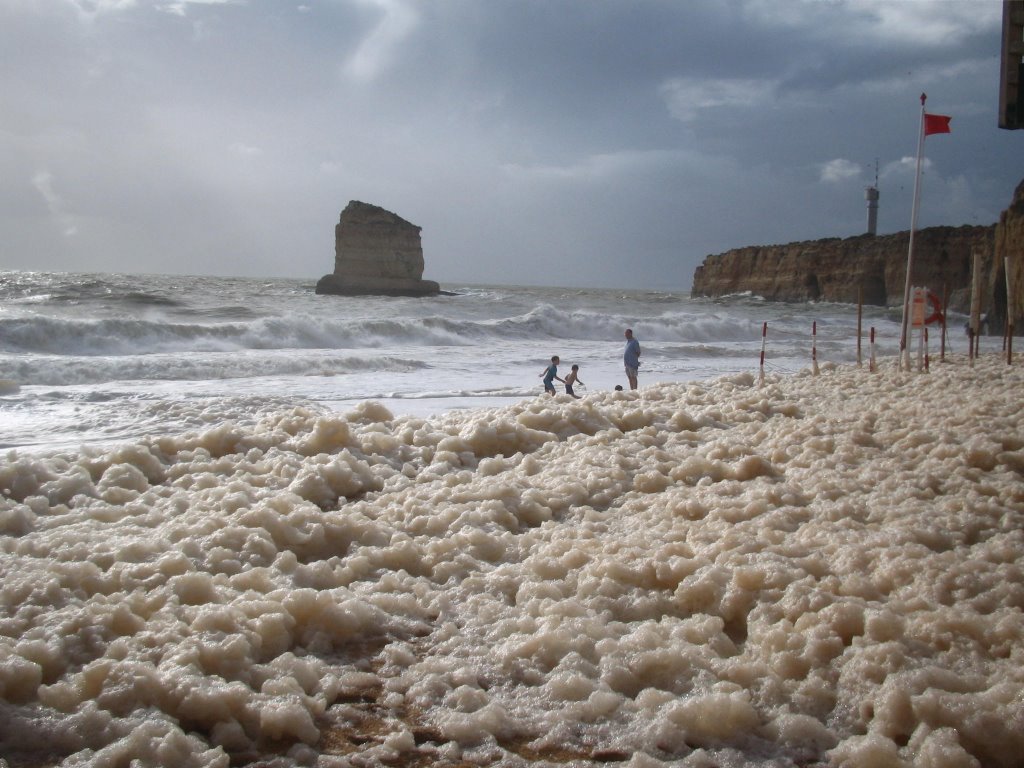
{"points": [[904, 347]]}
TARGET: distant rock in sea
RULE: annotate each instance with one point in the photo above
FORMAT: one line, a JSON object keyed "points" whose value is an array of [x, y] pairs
{"points": [[376, 253]]}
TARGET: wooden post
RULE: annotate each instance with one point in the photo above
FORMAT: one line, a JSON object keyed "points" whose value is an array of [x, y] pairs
{"points": [[945, 309], [1009, 312], [975, 321], [764, 336], [814, 347], [919, 297], [920, 345], [860, 312], [871, 363]]}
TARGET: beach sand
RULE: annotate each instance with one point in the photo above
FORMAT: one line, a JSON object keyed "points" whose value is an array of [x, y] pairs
{"points": [[821, 570]]}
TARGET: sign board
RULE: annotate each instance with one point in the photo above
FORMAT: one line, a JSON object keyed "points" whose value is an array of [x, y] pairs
{"points": [[917, 307]]}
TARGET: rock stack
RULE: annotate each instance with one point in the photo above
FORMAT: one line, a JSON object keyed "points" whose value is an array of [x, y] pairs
{"points": [[378, 253]]}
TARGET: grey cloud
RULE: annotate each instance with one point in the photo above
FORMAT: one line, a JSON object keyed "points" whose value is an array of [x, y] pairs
{"points": [[534, 142]]}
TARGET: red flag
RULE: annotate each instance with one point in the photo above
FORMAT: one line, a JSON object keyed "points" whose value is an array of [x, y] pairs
{"points": [[936, 124]]}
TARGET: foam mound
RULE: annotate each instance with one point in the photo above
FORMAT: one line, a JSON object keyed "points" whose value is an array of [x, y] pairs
{"points": [[821, 569]]}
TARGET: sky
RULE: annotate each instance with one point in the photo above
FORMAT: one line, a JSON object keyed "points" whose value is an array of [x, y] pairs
{"points": [[592, 143]]}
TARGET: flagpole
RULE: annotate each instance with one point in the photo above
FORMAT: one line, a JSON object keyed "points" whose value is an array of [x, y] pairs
{"points": [[904, 349]]}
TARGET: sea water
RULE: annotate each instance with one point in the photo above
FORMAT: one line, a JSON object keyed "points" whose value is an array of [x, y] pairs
{"points": [[90, 358]]}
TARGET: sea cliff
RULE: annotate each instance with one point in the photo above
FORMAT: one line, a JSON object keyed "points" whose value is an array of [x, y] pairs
{"points": [[872, 268], [866, 266]]}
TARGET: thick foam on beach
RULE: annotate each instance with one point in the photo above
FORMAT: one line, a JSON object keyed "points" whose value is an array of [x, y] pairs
{"points": [[823, 568]]}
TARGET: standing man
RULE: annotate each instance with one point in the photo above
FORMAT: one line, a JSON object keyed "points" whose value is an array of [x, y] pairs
{"points": [[631, 357]]}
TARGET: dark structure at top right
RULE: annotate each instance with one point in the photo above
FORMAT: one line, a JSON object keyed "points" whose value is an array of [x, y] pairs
{"points": [[1011, 72]]}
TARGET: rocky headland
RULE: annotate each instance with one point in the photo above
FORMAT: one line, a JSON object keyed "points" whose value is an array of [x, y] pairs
{"points": [[872, 268], [376, 253]]}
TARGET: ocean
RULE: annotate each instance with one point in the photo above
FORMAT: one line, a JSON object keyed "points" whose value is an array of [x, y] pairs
{"points": [[93, 359], [245, 525]]}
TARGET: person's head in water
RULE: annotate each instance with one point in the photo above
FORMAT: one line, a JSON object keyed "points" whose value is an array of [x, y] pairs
{"points": [[555, 359]]}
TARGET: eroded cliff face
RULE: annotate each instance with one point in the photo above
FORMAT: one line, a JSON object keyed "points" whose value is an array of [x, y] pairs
{"points": [[376, 252], [1009, 249], [866, 267], [873, 268]]}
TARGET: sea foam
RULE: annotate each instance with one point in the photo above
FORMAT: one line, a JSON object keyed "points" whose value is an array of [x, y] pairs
{"points": [[821, 569]]}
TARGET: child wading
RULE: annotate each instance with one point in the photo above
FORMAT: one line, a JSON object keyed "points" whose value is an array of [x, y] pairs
{"points": [[550, 374], [573, 378]]}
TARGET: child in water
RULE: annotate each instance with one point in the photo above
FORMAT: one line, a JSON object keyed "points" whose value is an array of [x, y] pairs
{"points": [[550, 374], [571, 379]]}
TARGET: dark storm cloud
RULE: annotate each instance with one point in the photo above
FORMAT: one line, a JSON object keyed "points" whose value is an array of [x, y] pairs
{"points": [[572, 142]]}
